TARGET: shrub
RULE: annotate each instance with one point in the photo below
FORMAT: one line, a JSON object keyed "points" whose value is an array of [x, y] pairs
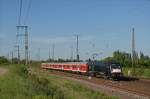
{"points": [[20, 70]]}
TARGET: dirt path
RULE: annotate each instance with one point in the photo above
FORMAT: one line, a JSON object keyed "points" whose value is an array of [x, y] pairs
{"points": [[3, 71]]}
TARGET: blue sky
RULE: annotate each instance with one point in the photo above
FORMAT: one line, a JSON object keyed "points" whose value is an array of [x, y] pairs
{"points": [[103, 26]]}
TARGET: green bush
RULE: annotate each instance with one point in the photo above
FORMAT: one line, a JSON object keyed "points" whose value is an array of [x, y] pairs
{"points": [[139, 72], [19, 84], [3, 60], [20, 70], [41, 97]]}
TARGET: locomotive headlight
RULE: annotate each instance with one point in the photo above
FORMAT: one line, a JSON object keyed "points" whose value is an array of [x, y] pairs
{"points": [[116, 71]]}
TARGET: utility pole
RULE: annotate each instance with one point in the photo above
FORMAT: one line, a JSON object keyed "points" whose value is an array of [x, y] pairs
{"points": [[71, 50], [93, 54], [26, 42], [133, 50], [8, 56], [18, 53], [26, 45], [77, 48], [17, 45], [29, 58], [25, 36], [53, 51], [49, 55], [12, 57]]}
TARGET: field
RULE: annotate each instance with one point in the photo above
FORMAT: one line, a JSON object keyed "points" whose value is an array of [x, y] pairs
{"points": [[20, 83]]}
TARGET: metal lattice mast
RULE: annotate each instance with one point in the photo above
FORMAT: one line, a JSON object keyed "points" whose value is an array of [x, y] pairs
{"points": [[17, 45], [26, 42], [26, 45], [77, 49], [133, 46]]}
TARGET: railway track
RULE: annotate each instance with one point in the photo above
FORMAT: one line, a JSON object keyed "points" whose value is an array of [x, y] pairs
{"points": [[138, 86]]}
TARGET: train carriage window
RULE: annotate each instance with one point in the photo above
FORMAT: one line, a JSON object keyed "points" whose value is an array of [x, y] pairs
{"points": [[73, 66], [78, 66]]}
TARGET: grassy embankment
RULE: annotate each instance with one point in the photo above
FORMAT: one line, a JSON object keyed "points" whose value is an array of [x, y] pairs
{"points": [[18, 83], [139, 72]]}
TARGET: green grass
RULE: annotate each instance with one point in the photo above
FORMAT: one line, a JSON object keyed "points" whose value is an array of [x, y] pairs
{"points": [[139, 72], [18, 83]]}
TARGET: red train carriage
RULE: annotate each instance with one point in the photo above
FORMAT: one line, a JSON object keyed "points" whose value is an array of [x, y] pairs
{"points": [[70, 66]]}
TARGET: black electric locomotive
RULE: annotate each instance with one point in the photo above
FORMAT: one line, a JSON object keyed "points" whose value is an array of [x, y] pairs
{"points": [[105, 69]]}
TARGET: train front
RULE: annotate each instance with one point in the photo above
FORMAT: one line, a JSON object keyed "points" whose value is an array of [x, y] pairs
{"points": [[116, 70]]}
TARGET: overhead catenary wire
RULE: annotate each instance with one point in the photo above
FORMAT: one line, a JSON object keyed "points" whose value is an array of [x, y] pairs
{"points": [[28, 10], [20, 12]]}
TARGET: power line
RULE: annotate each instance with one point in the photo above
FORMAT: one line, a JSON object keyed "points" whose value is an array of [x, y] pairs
{"points": [[28, 10], [19, 20]]}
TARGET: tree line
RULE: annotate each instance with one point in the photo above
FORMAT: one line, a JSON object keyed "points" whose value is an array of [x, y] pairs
{"points": [[125, 59], [3, 60]]}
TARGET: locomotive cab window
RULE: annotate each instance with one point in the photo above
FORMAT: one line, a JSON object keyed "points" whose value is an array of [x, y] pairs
{"points": [[115, 66]]}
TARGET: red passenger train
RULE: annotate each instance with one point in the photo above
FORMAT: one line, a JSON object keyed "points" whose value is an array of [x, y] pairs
{"points": [[105, 69], [69, 66]]}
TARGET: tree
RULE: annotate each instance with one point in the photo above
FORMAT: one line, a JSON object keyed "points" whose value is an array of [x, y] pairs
{"points": [[3, 60], [122, 57], [125, 59], [144, 60], [109, 59], [15, 60]]}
